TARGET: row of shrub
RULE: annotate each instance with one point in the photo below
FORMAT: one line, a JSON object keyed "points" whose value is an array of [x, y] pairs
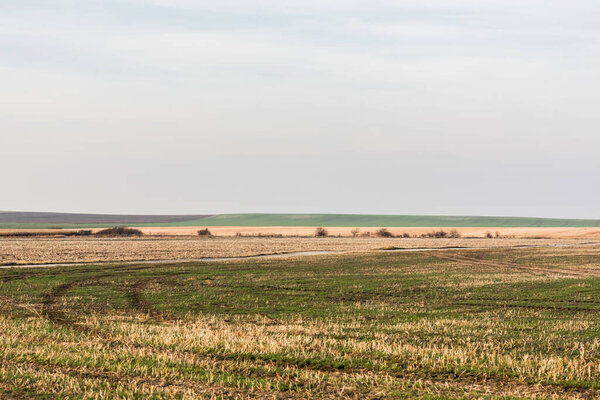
{"points": [[81, 232], [119, 231], [385, 233], [205, 232], [114, 231]]}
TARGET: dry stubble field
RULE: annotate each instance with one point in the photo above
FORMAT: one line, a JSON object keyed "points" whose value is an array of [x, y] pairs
{"points": [[95, 249], [497, 323]]}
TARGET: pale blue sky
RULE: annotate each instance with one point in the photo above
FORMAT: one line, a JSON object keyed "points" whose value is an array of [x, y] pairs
{"points": [[397, 107]]}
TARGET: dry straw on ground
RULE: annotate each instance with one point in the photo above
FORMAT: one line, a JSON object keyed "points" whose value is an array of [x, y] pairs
{"points": [[363, 326], [92, 249]]}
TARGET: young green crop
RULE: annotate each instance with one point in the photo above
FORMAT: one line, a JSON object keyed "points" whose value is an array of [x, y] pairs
{"points": [[472, 324]]}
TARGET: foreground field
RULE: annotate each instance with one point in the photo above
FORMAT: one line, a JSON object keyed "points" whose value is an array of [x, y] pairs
{"points": [[15, 251], [495, 323]]}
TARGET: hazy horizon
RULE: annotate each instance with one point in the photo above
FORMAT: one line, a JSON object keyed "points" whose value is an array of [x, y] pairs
{"points": [[300, 213], [406, 107]]}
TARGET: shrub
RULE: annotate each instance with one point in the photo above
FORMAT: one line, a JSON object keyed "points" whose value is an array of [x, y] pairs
{"points": [[488, 235], [383, 232], [269, 235], [81, 232], [204, 232], [454, 234], [355, 232], [436, 234], [321, 232], [119, 231], [441, 234]]}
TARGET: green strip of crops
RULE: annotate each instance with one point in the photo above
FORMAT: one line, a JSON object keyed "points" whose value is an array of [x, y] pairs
{"points": [[347, 220]]}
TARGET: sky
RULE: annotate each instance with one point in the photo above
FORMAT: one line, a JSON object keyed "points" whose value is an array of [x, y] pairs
{"points": [[454, 107]]}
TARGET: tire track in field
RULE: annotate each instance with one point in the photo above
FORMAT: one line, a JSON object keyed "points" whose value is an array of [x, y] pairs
{"points": [[16, 274], [135, 295], [50, 308], [525, 268], [133, 292]]}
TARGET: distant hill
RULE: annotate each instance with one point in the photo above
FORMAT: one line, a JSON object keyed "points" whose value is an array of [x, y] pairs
{"points": [[17, 219], [363, 220], [31, 220]]}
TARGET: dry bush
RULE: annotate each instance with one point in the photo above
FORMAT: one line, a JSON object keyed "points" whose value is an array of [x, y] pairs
{"points": [[454, 234], [204, 232], [81, 232], [119, 231], [355, 232], [254, 235], [269, 235], [384, 232], [321, 232], [437, 235], [488, 235]]}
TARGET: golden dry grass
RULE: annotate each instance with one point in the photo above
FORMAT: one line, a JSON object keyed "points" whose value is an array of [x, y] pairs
{"points": [[518, 232]]}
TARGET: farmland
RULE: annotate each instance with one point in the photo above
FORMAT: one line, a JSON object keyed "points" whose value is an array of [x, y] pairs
{"points": [[487, 323], [44, 250], [365, 220], [35, 220]]}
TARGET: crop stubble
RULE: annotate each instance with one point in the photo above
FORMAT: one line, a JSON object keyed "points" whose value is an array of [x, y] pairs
{"points": [[83, 249], [487, 324]]}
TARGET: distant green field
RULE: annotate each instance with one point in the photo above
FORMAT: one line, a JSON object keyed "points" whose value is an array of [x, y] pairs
{"points": [[347, 220], [361, 220]]}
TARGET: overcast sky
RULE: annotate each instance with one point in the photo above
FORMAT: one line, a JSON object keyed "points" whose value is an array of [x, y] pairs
{"points": [[392, 107]]}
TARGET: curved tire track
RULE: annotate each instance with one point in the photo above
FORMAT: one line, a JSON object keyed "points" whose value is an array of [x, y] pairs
{"points": [[519, 267], [133, 292]]}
